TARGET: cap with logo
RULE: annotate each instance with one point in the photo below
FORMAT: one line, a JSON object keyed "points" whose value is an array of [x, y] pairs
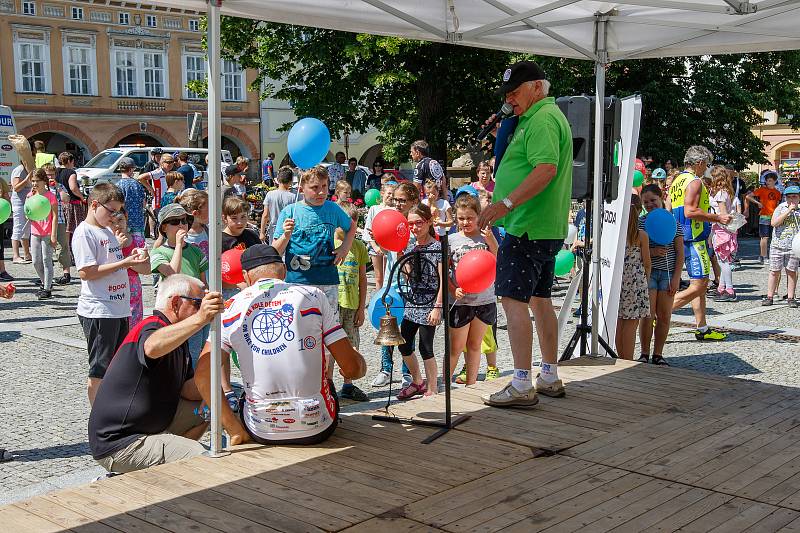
{"points": [[259, 255], [517, 74], [792, 189]]}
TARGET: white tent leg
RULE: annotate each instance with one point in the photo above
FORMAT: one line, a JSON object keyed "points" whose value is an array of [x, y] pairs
{"points": [[215, 229], [597, 193]]}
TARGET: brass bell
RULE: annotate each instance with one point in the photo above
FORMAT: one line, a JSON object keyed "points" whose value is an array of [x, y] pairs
{"points": [[389, 332]]}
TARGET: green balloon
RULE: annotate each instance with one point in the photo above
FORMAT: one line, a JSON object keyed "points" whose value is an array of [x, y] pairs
{"points": [[638, 178], [373, 197], [565, 260], [5, 210], [37, 208]]}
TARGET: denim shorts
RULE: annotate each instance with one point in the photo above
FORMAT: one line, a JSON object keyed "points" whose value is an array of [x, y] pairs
{"points": [[659, 280]]}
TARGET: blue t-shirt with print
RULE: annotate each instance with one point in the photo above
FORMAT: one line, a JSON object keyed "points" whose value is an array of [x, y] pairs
{"points": [[309, 256], [134, 193]]}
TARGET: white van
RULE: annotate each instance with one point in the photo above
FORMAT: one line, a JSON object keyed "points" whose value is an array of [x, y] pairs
{"points": [[104, 166]]}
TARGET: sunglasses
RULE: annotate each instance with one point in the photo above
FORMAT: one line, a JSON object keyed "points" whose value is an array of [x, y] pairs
{"points": [[114, 214], [195, 301], [177, 221]]}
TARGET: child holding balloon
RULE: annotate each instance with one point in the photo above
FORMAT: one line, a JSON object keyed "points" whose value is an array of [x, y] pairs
{"points": [[665, 275], [418, 319], [44, 227], [634, 300], [376, 255], [472, 312]]}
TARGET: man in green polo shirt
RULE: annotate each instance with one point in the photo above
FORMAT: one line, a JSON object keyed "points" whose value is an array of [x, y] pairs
{"points": [[532, 200]]}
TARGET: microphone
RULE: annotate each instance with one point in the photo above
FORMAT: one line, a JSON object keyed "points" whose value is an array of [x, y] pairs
{"points": [[506, 111]]}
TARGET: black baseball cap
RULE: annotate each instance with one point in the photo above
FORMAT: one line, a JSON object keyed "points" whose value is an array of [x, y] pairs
{"points": [[517, 74], [259, 255], [156, 151]]}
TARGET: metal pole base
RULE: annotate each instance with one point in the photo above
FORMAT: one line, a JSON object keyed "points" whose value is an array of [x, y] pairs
{"points": [[444, 426], [582, 332], [217, 455]]}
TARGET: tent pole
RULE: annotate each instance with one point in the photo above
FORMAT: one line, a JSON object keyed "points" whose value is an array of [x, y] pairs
{"points": [[215, 229], [597, 194]]}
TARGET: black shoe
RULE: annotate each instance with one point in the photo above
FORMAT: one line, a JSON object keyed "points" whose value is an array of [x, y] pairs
{"points": [[5, 276], [793, 303], [63, 280], [683, 285], [44, 294], [712, 287], [766, 301], [722, 297], [659, 360], [644, 358], [354, 393]]}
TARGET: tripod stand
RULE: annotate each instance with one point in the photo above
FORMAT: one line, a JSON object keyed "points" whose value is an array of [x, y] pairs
{"points": [[584, 329], [416, 261]]}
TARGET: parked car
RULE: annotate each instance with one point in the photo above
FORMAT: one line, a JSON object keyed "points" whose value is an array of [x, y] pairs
{"points": [[104, 166]]}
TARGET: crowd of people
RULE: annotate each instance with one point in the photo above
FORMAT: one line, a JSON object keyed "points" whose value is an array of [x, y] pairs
{"points": [[297, 312]]}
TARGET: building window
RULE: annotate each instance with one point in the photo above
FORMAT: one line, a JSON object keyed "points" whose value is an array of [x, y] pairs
{"points": [[77, 13], [79, 62], [125, 70], [194, 25], [124, 18], [232, 81], [195, 70], [33, 68], [154, 75], [29, 8], [151, 21]]}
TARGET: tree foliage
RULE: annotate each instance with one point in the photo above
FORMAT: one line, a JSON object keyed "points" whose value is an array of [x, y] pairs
{"points": [[442, 93]]}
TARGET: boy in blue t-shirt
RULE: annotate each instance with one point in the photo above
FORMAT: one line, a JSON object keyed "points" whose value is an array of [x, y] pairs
{"points": [[304, 232]]}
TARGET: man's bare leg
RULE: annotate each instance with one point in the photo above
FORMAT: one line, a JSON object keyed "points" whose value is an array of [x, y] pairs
{"points": [[520, 336]]}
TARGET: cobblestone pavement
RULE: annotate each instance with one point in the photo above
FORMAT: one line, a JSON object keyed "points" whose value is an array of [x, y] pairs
{"points": [[44, 411]]}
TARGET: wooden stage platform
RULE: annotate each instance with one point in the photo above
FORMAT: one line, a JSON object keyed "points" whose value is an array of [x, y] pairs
{"points": [[633, 447]]}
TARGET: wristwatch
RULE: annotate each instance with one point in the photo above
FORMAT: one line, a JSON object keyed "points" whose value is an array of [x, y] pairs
{"points": [[508, 203]]}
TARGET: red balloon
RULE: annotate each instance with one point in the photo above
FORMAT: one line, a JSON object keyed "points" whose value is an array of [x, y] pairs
{"points": [[639, 165], [232, 266], [476, 271], [390, 230]]}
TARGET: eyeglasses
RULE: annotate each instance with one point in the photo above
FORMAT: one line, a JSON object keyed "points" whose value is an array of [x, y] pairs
{"points": [[114, 214], [397, 200], [195, 301], [177, 221], [417, 223]]}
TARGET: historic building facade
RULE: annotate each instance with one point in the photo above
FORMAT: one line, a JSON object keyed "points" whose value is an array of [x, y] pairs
{"points": [[86, 75]]}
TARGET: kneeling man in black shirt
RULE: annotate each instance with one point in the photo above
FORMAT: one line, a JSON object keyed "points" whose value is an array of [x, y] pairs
{"points": [[148, 410]]}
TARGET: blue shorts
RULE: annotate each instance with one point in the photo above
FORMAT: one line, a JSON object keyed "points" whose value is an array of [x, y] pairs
{"points": [[764, 230], [659, 280], [697, 259], [526, 268]]}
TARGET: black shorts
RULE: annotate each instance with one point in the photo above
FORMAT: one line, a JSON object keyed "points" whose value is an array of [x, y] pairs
{"points": [[302, 441], [525, 268], [462, 315], [103, 337]]}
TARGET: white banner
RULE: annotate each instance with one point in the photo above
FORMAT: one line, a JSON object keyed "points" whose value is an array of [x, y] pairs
{"points": [[615, 225], [8, 156]]}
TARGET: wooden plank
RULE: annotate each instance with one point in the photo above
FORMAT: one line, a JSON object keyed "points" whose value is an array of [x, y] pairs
{"points": [[775, 521], [746, 519], [667, 509], [638, 507], [586, 518], [756, 465], [391, 525], [81, 500], [15, 519], [700, 508], [718, 516], [54, 513]]}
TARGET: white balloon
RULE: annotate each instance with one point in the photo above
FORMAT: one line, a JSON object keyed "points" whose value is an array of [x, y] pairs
{"points": [[571, 233], [796, 245]]}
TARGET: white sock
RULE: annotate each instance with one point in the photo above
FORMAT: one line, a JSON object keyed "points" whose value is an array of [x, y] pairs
{"points": [[549, 372], [522, 380]]}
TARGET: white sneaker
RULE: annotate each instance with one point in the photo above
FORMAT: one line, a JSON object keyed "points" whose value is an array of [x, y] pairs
{"points": [[511, 397], [407, 380], [382, 379]]}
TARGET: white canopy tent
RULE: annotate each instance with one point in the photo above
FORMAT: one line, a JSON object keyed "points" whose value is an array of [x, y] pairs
{"points": [[601, 32]]}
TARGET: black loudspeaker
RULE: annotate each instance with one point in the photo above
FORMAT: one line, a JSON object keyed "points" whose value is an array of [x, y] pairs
{"points": [[579, 111]]}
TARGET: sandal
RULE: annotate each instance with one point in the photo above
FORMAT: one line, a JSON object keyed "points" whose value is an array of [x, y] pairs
{"points": [[659, 360], [766, 301], [233, 401], [412, 390], [644, 358]]}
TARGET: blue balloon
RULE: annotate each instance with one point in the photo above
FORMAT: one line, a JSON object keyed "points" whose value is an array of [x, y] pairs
{"points": [[660, 226], [376, 309], [308, 143]]}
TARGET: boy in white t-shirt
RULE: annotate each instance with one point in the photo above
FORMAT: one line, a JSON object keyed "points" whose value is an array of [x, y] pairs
{"points": [[104, 303]]}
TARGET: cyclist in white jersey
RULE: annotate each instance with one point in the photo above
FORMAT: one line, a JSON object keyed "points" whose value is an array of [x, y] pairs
{"points": [[279, 332]]}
